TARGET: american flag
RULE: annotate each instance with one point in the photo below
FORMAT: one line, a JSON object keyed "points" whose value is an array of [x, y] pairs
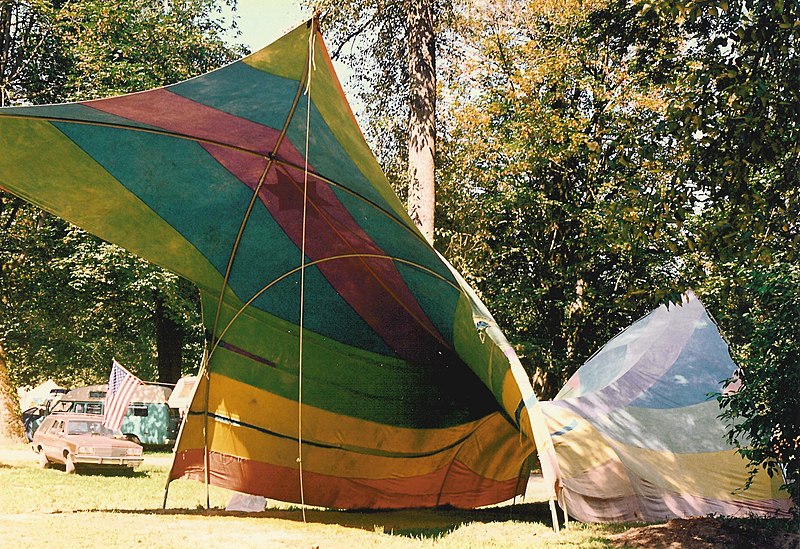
{"points": [[121, 386]]}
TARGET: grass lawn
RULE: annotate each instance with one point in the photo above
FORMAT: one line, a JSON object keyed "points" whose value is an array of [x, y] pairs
{"points": [[40, 507], [44, 506]]}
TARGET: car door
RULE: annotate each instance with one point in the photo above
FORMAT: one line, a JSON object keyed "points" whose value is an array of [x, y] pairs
{"points": [[52, 440], [40, 435]]}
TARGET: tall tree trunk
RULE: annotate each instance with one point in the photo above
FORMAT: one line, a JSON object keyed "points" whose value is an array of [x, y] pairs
{"points": [[11, 429], [422, 116], [5, 51], [169, 345]]}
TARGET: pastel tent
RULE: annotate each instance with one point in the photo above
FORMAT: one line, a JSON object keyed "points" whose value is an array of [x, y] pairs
{"points": [[405, 392], [181, 396], [38, 394], [637, 431]]}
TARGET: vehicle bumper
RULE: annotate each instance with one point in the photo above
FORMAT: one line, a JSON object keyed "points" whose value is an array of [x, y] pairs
{"points": [[121, 461]]}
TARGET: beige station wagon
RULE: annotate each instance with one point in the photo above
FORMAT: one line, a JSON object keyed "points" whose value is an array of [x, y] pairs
{"points": [[80, 440]]}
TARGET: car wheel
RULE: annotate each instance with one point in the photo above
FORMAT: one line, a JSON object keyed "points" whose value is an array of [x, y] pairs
{"points": [[134, 439], [69, 464], [44, 463]]}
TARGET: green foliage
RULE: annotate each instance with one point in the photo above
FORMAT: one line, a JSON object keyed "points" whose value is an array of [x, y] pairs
{"points": [[55, 51], [765, 412], [551, 185], [28, 68], [35, 316], [734, 122], [131, 45], [70, 302]]}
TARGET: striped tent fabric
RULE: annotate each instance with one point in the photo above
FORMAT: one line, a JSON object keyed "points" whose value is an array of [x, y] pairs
{"points": [[636, 429], [411, 397]]}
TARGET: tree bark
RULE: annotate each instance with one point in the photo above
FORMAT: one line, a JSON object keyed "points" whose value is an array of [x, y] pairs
{"points": [[422, 116], [169, 345], [11, 428]]}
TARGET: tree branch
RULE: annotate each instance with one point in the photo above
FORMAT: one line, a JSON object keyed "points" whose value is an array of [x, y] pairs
{"points": [[355, 33]]}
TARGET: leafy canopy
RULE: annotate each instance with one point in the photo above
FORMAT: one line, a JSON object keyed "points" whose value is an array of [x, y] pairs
{"points": [[70, 302]]}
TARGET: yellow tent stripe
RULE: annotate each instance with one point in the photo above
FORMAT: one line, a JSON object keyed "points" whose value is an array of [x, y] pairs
{"points": [[712, 474], [245, 403], [504, 453]]}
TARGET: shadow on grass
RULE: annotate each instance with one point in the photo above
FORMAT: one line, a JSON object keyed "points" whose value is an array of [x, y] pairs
{"points": [[99, 472], [89, 471], [427, 523]]}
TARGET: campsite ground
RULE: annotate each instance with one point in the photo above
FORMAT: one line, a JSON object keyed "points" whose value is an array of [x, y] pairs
{"points": [[40, 507]]}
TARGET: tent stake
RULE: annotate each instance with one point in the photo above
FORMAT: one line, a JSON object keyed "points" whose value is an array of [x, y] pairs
{"points": [[166, 493]]}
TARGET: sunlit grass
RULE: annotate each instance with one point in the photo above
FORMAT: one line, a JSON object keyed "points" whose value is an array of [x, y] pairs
{"points": [[126, 509], [26, 488]]}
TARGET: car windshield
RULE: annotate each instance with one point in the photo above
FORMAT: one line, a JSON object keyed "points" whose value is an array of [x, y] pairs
{"points": [[88, 427]]}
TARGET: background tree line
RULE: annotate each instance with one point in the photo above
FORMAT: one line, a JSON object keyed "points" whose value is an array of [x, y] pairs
{"points": [[70, 302], [593, 159]]}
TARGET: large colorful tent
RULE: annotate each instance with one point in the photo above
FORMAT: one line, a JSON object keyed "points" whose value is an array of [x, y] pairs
{"points": [[340, 344], [637, 433]]}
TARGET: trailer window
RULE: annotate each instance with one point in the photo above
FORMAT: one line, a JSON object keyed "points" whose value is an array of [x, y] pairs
{"points": [[94, 408], [138, 410], [62, 406]]}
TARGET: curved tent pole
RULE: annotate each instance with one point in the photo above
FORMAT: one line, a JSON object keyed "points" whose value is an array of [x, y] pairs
{"points": [[204, 370], [295, 270]]}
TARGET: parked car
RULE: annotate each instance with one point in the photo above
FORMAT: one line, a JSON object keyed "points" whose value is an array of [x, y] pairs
{"points": [[33, 416], [31, 419], [80, 440]]}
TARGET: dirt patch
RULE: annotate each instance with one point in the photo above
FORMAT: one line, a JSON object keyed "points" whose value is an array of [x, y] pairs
{"points": [[19, 454], [708, 532]]}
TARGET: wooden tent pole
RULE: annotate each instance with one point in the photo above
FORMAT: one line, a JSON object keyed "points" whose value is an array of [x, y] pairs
{"points": [[205, 435]]}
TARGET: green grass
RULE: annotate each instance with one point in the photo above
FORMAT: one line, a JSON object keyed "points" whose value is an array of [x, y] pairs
{"points": [[40, 506], [29, 489], [26, 488]]}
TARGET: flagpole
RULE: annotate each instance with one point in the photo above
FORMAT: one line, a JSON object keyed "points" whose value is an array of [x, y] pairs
{"points": [[160, 384]]}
